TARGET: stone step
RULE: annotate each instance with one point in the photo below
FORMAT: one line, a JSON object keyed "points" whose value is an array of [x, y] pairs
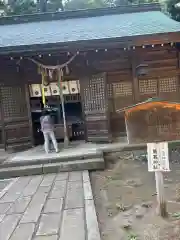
{"points": [[50, 158], [36, 169]]}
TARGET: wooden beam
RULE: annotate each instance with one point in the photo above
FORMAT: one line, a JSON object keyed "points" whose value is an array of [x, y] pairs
{"points": [[134, 77], [91, 45]]}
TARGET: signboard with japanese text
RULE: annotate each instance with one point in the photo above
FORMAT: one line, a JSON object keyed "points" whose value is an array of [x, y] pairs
{"points": [[158, 157]]}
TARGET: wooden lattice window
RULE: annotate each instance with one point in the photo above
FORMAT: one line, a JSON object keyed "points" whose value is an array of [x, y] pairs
{"points": [[94, 94], [148, 86], [168, 84], [122, 89], [13, 102], [163, 128], [109, 90]]}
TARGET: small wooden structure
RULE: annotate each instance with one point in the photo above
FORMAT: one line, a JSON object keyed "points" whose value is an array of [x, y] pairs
{"points": [[152, 121]]}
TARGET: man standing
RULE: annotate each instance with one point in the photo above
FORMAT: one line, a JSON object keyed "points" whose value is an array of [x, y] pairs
{"points": [[47, 128]]}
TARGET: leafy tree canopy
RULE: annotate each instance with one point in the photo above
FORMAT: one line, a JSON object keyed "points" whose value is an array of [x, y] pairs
{"points": [[173, 10], [17, 7]]}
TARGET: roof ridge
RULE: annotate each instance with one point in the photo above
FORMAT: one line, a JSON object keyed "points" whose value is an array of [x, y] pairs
{"points": [[48, 16]]}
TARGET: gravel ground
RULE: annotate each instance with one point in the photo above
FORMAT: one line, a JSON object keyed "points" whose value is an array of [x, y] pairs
{"points": [[125, 198]]}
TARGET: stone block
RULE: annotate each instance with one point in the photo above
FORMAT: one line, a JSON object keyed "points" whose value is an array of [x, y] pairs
{"points": [[44, 189], [33, 185], [88, 195], [91, 221], [74, 197], [59, 189], [4, 207], [74, 165], [49, 224], [15, 190], [50, 168], [53, 205], [10, 172], [8, 225], [23, 232], [62, 176], [52, 237], [34, 209], [1, 217], [19, 205], [73, 225], [48, 180], [75, 176], [85, 175]]}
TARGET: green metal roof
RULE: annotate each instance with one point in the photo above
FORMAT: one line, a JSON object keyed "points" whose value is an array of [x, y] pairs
{"points": [[88, 28]]}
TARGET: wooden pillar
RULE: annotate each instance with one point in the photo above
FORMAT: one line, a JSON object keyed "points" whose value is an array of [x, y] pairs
{"points": [[29, 112], [2, 124], [66, 139], [134, 63], [178, 66]]}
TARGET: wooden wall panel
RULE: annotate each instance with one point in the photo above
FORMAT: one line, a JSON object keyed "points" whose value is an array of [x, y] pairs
{"points": [[161, 81], [12, 104], [120, 94], [147, 89], [95, 105], [16, 119], [169, 88]]}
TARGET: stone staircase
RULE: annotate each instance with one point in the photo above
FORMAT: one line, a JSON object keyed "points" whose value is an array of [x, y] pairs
{"points": [[25, 165]]}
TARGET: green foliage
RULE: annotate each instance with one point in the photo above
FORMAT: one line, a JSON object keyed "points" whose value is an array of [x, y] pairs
{"points": [[1, 4], [84, 4], [20, 7], [176, 215], [173, 10], [133, 236], [54, 5], [128, 2], [16, 7]]}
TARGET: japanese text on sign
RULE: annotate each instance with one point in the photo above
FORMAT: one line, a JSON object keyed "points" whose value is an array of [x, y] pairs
{"points": [[158, 157]]}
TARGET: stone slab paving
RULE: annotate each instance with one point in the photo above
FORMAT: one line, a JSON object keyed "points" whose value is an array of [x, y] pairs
{"points": [[49, 207]]}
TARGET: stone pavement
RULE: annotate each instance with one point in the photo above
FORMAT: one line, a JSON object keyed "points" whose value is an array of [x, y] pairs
{"points": [[49, 207], [4, 183]]}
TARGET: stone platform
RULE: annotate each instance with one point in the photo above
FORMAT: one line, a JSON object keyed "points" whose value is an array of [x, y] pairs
{"points": [[79, 156], [49, 207]]}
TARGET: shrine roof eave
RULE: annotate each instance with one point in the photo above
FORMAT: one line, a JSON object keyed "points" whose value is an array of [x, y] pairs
{"points": [[93, 44], [145, 105]]}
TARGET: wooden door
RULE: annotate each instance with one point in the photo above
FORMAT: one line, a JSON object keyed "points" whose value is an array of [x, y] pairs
{"points": [[17, 127], [95, 106]]}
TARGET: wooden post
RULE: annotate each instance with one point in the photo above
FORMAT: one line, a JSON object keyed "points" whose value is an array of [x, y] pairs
{"points": [[127, 132], [133, 58], [162, 208], [66, 139], [158, 162]]}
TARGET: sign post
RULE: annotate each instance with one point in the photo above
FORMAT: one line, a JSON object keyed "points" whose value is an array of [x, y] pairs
{"points": [[158, 162]]}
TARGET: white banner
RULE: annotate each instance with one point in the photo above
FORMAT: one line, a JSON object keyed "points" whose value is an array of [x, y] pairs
{"points": [[158, 157]]}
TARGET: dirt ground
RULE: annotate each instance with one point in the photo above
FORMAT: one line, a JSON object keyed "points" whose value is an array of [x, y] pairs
{"points": [[125, 199]]}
